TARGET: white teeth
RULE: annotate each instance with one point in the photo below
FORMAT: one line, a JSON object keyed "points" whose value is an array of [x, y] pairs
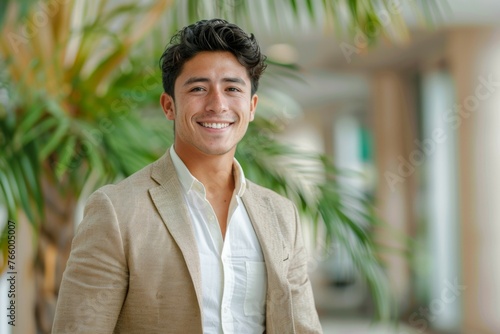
{"points": [[215, 125]]}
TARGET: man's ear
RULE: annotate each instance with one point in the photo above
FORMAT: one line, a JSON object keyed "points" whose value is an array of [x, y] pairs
{"points": [[253, 106], [168, 105]]}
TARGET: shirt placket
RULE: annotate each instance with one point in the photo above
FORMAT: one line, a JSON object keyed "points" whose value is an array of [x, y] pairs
{"points": [[223, 250], [227, 287]]}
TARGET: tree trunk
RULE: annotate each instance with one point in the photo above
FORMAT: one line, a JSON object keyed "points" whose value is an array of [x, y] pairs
{"points": [[53, 248]]}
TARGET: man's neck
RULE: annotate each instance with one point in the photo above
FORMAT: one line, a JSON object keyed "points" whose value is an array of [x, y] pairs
{"points": [[214, 171]]}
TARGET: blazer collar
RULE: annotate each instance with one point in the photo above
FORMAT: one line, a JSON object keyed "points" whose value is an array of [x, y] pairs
{"points": [[168, 198], [187, 179]]}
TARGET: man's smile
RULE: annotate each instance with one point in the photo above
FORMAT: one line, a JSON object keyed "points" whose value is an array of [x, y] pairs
{"points": [[215, 125]]}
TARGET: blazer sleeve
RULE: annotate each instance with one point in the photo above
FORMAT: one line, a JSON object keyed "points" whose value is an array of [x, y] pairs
{"points": [[95, 281], [303, 307]]}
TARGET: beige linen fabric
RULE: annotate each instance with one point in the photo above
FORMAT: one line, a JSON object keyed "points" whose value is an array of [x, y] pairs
{"points": [[134, 265]]}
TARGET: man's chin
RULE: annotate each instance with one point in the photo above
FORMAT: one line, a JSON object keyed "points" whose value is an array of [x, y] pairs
{"points": [[219, 151]]}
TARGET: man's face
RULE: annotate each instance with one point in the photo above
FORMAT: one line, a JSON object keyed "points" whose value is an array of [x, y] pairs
{"points": [[213, 104]]}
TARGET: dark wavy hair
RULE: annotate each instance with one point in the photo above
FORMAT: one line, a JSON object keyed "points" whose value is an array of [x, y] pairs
{"points": [[211, 35]]}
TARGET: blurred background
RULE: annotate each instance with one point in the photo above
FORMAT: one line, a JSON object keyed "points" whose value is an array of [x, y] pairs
{"points": [[378, 118]]}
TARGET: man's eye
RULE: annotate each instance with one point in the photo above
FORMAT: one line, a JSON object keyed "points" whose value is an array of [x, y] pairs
{"points": [[197, 89], [233, 89]]}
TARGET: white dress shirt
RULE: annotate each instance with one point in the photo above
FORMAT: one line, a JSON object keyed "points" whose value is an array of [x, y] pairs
{"points": [[233, 272]]}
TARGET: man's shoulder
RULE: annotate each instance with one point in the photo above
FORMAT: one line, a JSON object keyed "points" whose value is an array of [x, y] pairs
{"points": [[136, 184], [135, 181]]}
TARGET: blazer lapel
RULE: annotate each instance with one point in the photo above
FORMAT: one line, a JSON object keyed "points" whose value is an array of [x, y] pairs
{"points": [[266, 228], [169, 200], [275, 251]]}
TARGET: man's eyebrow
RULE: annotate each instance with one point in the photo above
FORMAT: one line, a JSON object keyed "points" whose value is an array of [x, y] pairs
{"points": [[235, 80], [192, 80]]}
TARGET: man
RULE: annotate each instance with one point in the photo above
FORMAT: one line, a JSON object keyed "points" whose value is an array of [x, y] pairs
{"points": [[187, 244]]}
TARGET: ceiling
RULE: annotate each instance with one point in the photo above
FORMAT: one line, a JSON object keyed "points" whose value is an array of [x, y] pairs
{"points": [[337, 68]]}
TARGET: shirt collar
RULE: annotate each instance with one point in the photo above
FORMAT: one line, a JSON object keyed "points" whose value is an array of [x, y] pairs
{"points": [[188, 180]]}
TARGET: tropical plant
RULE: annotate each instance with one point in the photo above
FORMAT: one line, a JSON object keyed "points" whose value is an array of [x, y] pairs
{"points": [[79, 89]]}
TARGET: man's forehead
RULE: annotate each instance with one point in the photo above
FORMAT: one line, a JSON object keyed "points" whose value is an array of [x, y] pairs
{"points": [[209, 66], [201, 79]]}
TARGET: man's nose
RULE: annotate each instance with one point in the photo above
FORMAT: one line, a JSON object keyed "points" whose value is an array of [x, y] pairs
{"points": [[217, 101]]}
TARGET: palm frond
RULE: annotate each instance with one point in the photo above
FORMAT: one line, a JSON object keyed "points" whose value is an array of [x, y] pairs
{"points": [[311, 181]]}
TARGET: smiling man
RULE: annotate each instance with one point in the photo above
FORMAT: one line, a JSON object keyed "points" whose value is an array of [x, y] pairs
{"points": [[187, 244]]}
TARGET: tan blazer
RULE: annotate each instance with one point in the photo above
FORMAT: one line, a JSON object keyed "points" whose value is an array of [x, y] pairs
{"points": [[134, 265]]}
